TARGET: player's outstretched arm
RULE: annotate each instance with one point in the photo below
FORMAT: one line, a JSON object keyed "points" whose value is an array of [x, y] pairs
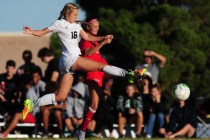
{"points": [[89, 37], [39, 33], [93, 50]]}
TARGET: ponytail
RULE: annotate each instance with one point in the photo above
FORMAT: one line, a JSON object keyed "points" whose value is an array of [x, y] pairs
{"points": [[61, 15]]}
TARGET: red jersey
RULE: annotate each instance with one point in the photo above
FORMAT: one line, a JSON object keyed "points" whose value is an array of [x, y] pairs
{"points": [[96, 75]]}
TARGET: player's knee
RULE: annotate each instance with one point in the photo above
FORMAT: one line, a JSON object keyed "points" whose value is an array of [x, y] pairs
{"points": [[101, 66]]}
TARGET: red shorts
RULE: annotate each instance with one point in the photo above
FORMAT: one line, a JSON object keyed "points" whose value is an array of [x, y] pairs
{"points": [[29, 119]]}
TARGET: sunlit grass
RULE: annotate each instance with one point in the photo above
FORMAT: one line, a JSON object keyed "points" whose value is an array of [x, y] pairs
{"points": [[104, 139]]}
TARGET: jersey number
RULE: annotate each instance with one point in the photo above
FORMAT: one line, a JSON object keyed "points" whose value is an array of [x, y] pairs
{"points": [[74, 35]]}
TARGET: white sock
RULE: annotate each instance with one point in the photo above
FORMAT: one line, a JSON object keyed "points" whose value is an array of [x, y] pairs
{"points": [[115, 71], [47, 99]]}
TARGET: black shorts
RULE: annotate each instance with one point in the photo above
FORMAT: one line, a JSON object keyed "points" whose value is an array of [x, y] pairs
{"points": [[92, 85]]}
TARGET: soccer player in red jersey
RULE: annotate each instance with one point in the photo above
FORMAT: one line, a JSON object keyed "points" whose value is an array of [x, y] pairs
{"points": [[94, 79]]}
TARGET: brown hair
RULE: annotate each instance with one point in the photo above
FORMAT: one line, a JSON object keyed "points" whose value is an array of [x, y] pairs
{"points": [[157, 86], [68, 8], [134, 86]]}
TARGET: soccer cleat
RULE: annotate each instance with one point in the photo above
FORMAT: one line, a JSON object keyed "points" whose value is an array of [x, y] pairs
{"points": [[130, 76], [80, 135], [28, 107], [136, 76]]}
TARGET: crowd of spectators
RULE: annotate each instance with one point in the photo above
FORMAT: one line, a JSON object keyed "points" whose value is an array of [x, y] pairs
{"points": [[143, 106]]}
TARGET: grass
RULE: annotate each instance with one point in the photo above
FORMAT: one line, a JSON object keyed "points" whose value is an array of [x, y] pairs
{"points": [[104, 139]]}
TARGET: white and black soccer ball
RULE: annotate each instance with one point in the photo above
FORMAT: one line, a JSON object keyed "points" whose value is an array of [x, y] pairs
{"points": [[181, 92]]}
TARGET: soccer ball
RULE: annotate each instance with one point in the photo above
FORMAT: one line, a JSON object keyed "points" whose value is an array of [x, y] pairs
{"points": [[181, 92]]}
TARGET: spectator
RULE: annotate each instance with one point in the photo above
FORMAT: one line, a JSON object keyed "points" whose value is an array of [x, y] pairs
{"points": [[8, 89], [37, 89], [55, 109], [28, 66], [75, 107], [146, 95], [18, 116], [182, 122], [80, 77], [130, 110], [152, 67], [157, 109], [52, 70]]}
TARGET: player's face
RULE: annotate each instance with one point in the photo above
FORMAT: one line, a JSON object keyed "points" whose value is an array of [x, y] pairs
{"points": [[130, 91], [94, 27], [72, 17]]}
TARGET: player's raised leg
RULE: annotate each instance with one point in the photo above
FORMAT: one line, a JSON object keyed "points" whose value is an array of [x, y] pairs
{"points": [[52, 98]]}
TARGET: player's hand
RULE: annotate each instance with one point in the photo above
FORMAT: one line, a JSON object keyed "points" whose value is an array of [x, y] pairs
{"points": [[110, 36], [27, 30], [108, 39], [148, 53]]}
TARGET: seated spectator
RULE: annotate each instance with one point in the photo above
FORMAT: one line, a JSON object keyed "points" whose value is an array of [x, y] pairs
{"points": [[18, 116], [75, 107], [38, 86], [130, 109], [182, 122], [8, 90], [146, 95], [157, 109], [57, 109]]}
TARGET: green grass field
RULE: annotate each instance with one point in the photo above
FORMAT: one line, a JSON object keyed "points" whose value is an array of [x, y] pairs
{"points": [[105, 138]]}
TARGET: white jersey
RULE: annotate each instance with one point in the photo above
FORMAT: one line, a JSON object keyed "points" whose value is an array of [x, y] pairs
{"points": [[69, 34]]}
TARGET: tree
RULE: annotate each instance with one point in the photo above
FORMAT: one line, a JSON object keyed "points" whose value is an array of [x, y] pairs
{"points": [[177, 29]]}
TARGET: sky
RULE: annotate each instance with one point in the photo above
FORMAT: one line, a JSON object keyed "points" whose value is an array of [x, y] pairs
{"points": [[38, 14]]}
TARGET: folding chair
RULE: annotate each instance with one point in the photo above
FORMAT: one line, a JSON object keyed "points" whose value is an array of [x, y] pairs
{"points": [[202, 130]]}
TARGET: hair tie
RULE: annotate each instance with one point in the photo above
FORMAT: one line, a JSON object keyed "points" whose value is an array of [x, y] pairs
{"points": [[92, 20]]}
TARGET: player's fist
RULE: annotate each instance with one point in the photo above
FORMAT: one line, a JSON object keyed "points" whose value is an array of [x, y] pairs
{"points": [[110, 36], [27, 30]]}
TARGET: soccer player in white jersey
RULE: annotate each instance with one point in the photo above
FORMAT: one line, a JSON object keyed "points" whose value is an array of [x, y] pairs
{"points": [[70, 33]]}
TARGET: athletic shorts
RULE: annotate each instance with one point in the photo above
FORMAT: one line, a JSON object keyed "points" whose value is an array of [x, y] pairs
{"points": [[65, 64], [29, 119], [94, 85]]}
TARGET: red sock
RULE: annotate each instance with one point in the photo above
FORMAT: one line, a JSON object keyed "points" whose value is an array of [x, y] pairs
{"points": [[88, 117]]}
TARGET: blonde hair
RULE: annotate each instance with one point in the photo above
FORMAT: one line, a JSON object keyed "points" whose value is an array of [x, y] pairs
{"points": [[68, 8]]}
